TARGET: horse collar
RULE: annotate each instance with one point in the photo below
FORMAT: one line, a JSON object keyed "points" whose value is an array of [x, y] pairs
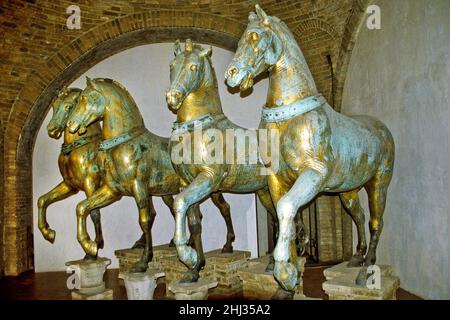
{"points": [[66, 149], [179, 128], [286, 112], [110, 143]]}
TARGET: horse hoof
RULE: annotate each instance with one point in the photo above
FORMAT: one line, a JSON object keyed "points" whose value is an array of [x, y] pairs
{"points": [[190, 277], [100, 243], [282, 294], [187, 255], [286, 275], [89, 258], [139, 267], [50, 235], [138, 245], [227, 248], [356, 261]]}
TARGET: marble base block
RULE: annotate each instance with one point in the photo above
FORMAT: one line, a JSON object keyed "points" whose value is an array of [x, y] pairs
{"points": [[141, 286], [341, 284], [221, 266], [259, 284], [192, 291], [128, 257], [90, 279]]}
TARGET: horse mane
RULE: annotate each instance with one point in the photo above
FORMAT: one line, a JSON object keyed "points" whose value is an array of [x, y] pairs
{"points": [[117, 84]]}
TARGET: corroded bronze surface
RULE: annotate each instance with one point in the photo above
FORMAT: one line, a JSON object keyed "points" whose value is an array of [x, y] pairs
{"points": [[320, 150], [194, 95], [78, 163], [136, 163]]}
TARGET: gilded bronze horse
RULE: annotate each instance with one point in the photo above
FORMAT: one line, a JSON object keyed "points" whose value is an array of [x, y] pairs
{"points": [[78, 163], [136, 163], [193, 95], [321, 150]]}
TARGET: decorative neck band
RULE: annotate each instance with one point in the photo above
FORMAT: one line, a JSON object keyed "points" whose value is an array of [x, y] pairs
{"points": [[121, 138], [66, 149], [289, 111], [179, 128]]}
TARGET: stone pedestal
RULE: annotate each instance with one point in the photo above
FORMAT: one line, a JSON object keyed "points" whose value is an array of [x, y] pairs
{"points": [[128, 257], [261, 285], [141, 286], [221, 266], [89, 275], [192, 291], [341, 284]]}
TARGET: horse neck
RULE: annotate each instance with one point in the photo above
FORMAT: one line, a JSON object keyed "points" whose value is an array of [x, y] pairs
{"points": [[203, 100], [290, 79], [93, 130], [120, 115]]}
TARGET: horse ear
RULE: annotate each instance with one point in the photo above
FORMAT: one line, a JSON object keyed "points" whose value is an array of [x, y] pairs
{"points": [[206, 52], [177, 48], [252, 17], [262, 15]]}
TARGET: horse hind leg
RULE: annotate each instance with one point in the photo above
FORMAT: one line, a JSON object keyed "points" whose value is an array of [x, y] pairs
{"points": [[266, 200], [350, 201], [224, 208], [376, 189]]}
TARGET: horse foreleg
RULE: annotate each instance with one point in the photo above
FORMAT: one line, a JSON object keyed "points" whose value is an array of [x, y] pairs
{"points": [[266, 200], [147, 215], [224, 208], [60, 192], [168, 200], [199, 189], [89, 189], [99, 199], [195, 228], [308, 184]]}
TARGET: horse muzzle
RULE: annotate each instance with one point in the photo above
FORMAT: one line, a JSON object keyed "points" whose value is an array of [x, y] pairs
{"points": [[173, 98], [239, 76], [54, 132]]}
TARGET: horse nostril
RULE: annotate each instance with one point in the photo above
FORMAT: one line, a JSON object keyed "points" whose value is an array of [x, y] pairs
{"points": [[232, 71]]}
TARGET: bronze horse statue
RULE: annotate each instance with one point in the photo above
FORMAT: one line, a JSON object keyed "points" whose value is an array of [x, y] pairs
{"points": [[78, 163], [321, 150], [193, 95], [136, 163]]}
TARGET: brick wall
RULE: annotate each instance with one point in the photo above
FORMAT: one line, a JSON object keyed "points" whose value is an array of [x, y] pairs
{"points": [[38, 55]]}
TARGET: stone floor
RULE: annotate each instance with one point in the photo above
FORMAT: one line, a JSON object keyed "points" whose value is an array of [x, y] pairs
{"points": [[52, 286]]}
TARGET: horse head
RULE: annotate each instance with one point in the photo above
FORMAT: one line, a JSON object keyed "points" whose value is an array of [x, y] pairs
{"points": [[187, 72], [90, 108], [62, 106], [258, 50]]}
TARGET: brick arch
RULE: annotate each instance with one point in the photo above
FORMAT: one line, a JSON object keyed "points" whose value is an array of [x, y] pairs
{"points": [[315, 23], [62, 68]]}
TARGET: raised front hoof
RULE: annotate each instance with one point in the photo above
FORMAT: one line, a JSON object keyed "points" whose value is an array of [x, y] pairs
{"points": [[282, 294], [190, 277], [49, 235], [227, 248], [139, 267], [171, 243], [100, 243], [286, 275], [356, 261], [187, 255]]}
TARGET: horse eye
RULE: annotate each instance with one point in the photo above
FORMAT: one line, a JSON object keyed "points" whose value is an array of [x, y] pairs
{"points": [[253, 36], [193, 67], [67, 107]]}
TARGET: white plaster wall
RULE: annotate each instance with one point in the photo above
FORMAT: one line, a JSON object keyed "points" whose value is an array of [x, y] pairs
{"points": [[401, 74], [144, 71]]}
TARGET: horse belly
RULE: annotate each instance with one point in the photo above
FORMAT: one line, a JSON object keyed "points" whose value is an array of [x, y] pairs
{"points": [[357, 154]]}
